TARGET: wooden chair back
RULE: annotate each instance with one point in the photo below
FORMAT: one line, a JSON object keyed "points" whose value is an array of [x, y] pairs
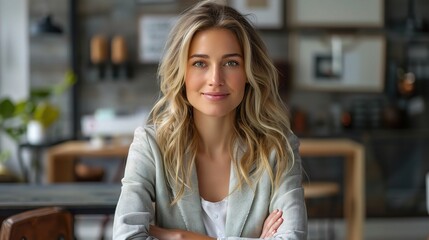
{"points": [[50, 223]]}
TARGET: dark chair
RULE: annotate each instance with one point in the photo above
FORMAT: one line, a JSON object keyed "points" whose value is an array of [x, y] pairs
{"points": [[50, 223]]}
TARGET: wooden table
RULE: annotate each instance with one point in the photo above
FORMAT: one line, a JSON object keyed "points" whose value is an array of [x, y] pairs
{"points": [[353, 154], [79, 198], [61, 158]]}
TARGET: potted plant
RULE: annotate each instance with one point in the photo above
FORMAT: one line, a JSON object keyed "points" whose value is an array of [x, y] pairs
{"points": [[16, 117]]}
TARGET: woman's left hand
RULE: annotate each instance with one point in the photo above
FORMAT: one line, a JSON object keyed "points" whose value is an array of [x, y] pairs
{"points": [[175, 234], [271, 224]]}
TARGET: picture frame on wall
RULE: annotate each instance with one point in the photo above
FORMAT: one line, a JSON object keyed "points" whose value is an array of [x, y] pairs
{"points": [[323, 67], [338, 63], [264, 14], [335, 13], [153, 30]]}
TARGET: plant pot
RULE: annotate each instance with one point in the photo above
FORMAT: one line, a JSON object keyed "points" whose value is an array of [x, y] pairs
{"points": [[36, 133]]}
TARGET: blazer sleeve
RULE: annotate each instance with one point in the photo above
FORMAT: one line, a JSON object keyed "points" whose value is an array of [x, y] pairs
{"points": [[134, 210], [289, 198]]}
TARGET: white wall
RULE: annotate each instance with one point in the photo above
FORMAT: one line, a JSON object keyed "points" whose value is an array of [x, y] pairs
{"points": [[14, 61]]}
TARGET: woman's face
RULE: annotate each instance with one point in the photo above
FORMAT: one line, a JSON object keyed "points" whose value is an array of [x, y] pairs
{"points": [[215, 77]]}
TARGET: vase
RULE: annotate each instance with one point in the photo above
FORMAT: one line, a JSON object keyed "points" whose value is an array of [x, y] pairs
{"points": [[36, 133]]}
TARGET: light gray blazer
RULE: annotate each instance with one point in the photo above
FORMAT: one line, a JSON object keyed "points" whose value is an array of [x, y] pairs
{"points": [[144, 184]]}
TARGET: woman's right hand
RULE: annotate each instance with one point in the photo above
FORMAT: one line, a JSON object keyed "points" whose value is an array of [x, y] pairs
{"points": [[271, 224]]}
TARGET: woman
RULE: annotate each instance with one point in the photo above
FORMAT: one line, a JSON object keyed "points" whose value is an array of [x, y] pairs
{"points": [[217, 158]]}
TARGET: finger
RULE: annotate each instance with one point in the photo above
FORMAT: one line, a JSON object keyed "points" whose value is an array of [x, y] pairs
{"points": [[267, 221], [271, 219], [273, 229]]}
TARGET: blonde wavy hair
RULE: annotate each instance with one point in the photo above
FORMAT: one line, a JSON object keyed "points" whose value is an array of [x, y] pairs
{"points": [[261, 122]]}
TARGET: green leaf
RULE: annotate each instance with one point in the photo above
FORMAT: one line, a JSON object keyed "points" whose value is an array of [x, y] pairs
{"points": [[37, 94], [16, 132], [7, 108], [46, 114], [69, 80]]}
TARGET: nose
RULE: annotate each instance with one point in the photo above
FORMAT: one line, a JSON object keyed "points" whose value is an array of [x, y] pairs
{"points": [[216, 77]]}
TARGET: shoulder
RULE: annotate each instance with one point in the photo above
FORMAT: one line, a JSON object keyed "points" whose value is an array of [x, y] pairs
{"points": [[291, 146], [144, 138], [292, 139], [146, 132]]}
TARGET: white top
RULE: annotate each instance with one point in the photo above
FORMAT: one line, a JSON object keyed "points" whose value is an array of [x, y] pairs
{"points": [[214, 217]]}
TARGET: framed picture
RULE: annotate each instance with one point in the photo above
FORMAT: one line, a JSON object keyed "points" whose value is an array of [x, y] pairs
{"points": [[335, 13], [264, 14], [153, 31], [350, 63], [324, 67]]}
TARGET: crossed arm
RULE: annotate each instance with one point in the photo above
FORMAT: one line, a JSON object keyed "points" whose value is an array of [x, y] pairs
{"points": [[271, 224]]}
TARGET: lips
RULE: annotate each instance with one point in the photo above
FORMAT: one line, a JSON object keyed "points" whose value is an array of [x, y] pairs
{"points": [[215, 95]]}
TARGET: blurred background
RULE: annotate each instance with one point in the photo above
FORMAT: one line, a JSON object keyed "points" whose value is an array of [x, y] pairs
{"points": [[356, 70]]}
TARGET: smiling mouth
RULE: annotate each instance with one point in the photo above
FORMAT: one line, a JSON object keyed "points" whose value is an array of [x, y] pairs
{"points": [[215, 94]]}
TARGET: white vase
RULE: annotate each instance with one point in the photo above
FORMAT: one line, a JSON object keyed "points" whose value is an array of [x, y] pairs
{"points": [[36, 133]]}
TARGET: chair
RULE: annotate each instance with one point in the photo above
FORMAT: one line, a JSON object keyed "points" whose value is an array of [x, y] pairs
{"points": [[50, 223], [320, 189], [323, 191]]}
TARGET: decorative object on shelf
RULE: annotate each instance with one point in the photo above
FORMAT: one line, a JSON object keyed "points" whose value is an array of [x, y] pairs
{"points": [[264, 14], [343, 62], [410, 97], [46, 24], [153, 31], [119, 57], [406, 84], [335, 13], [99, 54], [36, 133]]}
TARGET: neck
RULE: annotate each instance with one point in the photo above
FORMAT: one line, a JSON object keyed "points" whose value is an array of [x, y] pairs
{"points": [[215, 134]]}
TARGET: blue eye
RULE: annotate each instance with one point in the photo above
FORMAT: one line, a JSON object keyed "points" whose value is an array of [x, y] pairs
{"points": [[231, 64], [199, 64]]}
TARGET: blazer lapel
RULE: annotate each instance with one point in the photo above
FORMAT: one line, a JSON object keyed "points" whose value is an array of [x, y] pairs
{"points": [[239, 204], [190, 206]]}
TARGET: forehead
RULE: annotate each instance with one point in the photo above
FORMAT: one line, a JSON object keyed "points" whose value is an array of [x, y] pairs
{"points": [[214, 40]]}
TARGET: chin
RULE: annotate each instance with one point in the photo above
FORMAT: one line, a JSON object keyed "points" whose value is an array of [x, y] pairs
{"points": [[217, 113]]}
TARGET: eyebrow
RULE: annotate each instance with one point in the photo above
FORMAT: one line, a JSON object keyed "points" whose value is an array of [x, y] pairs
{"points": [[207, 56]]}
